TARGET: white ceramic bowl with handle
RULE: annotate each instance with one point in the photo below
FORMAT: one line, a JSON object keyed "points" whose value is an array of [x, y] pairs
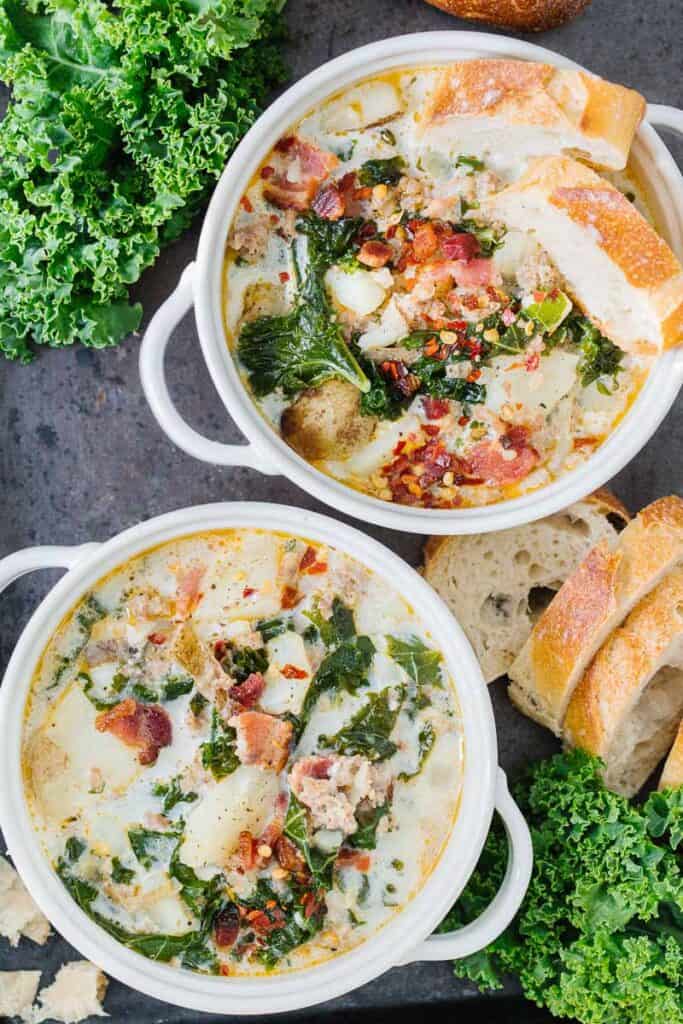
{"points": [[407, 936], [200, 286]]}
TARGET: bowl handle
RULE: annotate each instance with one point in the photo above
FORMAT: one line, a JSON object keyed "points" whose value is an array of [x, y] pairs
{"points": [[473, 937], [666, 117], [152, 352], [45, 557]]}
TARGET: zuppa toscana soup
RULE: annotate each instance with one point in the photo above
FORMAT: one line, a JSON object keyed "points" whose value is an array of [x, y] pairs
{"points": [[242, 753], [394, 335]]}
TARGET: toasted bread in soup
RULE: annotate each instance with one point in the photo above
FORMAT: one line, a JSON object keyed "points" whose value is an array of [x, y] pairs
{"points": [[496, 584], [612, 578], [672, 775], [522, 15], [627, 707], [325, 422], [535, 109], [622, 274]]}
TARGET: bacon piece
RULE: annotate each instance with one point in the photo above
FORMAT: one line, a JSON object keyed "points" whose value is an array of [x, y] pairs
{"points": [[265, 921], [314, 767], [460, 246], [477, 272], [354, 859], [157, 639], [226, 926], [435, 408], [302, 167], [246, 850], [249, 692], [290, 597], [187, 593], [425, 241], [329, 202], [312, 904], [375, 253], [491, 460], [289, 858], [262, 739], [145, 726], [271, 833], [308, 558]]}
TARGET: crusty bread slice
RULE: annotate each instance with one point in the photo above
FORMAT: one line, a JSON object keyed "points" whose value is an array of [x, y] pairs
{"points": [[672, 775], [534, 109], [622, 274], [594, 600], [496, 584], [627, 707], [527, 16]]}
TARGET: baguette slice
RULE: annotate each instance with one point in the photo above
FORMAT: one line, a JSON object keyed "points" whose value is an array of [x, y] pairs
{"points": [[622, 274], [627, 707], [594, 601], [672, 776], [528, 16], [534, 109], [495, 583]]}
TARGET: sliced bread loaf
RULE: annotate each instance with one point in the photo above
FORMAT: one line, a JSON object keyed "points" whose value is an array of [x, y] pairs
{"points": [[497, 584], [613, 577], [627, 707]]}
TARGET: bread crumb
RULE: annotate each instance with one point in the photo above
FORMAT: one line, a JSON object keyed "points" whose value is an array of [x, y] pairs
{"points": [[19, 915], [76, 993], [17, 992]]}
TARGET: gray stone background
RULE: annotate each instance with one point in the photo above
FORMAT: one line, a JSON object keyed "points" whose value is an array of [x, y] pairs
{"points": [[82, 457]]}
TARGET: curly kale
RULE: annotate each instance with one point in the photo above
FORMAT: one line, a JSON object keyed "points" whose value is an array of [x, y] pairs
{"points": [[121, 117], [305, 347], [599, 937]]}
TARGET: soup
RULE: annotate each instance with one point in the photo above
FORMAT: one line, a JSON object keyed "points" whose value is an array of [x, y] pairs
{"points": [[242, 753], [396, 336]]}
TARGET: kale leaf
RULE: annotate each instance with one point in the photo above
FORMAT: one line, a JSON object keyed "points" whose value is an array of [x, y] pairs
{"points": [[151, 846], [176, 686], [120, 119], [219, 753], [345, 668], [172, 794], [296, 828], [422, 663], [382, 172], [368, 731], [120, 874], [305, 347], [366, 836], [599, 936], [426, 739]]}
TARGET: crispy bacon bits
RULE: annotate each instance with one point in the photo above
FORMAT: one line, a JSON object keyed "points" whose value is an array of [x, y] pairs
{"points": [[329, 202], [248, 693], [262, 739], [226, 926], [292, 672], [375, 253], [290, 597], [144, 726], [302, 166]]}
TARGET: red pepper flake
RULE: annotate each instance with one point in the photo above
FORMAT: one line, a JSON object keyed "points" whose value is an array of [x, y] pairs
{"points": [[248, 591], [157, 639], [292, 672], [474, 375], [317, 568], [391, 230], [463, 421], [274, 219], [267, 172], [398, 448], [284, 276], [246, 203], [532, 361], [220, 649], [539, 296], [290, 597], [362, 193], [431, 429]]}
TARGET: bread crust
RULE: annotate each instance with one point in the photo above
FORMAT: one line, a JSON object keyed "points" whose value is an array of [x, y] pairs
{"points": [[529, 15], [591, 115], [621, 671], [672, 775], [591, 603], [652, 274]]}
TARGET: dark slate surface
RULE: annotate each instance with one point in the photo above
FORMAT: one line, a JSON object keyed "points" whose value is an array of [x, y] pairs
{"points": [[82, 457]]}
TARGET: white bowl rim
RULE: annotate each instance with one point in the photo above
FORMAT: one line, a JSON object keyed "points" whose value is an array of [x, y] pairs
{"points": [[345, 971], [640, 422]]}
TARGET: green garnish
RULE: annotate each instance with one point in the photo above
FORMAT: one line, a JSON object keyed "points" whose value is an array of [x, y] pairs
{"points": [[368, 731], [152, 847], [120, 874], [473, 163], [365, 838], [219, 753], [421, 663], [296, 828], [173, 794], [176, 686], [74, 848], [382, 172]]}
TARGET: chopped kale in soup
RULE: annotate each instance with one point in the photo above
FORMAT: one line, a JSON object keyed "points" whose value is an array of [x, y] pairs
{"points": [[398, 338], [242, 753]]}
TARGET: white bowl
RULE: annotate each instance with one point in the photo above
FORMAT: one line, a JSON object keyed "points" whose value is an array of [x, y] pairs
{"points": [[407, 936], [200, 284]]}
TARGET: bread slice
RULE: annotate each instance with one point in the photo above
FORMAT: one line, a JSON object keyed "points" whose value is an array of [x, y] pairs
{"points": [[622, 274], [594, 600], [534, 109], [672, 776], [530, 16], [496, 584], [627, 707]]}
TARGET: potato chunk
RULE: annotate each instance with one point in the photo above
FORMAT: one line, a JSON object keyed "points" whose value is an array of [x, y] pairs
{"points": [[326, 422]]}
